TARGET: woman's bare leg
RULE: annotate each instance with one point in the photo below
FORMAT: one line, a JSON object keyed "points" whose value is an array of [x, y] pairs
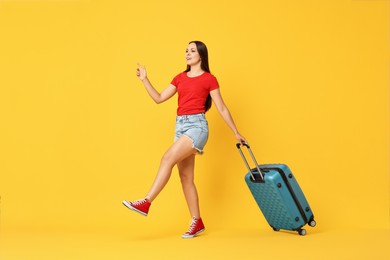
{"points": [[186, 171], [180, 150]]}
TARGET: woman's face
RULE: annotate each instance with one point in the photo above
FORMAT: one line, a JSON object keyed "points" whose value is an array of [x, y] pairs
{"points": [[192, 55]]}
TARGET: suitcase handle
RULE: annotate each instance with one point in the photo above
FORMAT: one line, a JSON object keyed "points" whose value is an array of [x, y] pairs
{"points": [[238, 145]]}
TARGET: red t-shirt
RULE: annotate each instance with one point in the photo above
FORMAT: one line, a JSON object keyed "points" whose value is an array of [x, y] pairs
{"points": [[193, 92]]}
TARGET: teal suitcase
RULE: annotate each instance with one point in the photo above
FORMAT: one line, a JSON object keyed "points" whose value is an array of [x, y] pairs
{"points": [[278, 195]]}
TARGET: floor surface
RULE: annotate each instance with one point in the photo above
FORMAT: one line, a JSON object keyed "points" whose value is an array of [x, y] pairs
{"points": [[212, 244]]}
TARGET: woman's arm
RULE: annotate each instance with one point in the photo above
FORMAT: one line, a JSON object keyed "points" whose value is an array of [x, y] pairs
{"points": [[153, 93], [225, 113]]}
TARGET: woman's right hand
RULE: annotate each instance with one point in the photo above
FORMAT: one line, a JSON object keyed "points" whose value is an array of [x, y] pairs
{"points": [[141, 72]]}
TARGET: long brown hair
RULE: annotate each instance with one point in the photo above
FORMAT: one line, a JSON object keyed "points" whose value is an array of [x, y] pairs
{"points": [[204, 56]]}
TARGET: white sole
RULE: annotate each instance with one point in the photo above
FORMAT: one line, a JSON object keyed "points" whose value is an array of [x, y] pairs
{"points": [[192, 236], [128, 205]]}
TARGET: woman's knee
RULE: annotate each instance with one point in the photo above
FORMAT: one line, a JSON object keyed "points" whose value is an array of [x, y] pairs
{"points": [[186, 178], [168, 159]]}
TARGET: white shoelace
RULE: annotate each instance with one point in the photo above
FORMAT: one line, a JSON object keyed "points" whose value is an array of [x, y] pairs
{"points": [[138, 202], [193, 225]]}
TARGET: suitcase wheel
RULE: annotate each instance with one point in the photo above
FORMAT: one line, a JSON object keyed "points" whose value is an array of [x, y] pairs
{"points": [[302, 232], [312, 223], [275, 229]]}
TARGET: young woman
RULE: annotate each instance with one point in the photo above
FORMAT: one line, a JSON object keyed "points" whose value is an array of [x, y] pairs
{"points": [[196, 87]]}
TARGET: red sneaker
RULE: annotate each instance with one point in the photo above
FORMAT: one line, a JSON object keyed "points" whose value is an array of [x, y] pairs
{"points": [[140, 206], [195, 228]]}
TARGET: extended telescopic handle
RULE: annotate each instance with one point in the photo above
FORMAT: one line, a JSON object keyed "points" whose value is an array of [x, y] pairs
{"points": [[253, 158]]}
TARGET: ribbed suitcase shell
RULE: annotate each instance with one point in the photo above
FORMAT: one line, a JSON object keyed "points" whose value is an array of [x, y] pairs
{"points": [[279, 197]]}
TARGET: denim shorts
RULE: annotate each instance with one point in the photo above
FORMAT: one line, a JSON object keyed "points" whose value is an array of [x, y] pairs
{"points": [[195, 127]]}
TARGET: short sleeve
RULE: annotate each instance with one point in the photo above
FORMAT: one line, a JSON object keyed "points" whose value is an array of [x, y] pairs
{"points": [[213, 83], [175, 81]]}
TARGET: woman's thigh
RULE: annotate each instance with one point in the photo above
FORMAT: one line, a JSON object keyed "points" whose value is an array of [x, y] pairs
{"points": [[179, 150]]}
